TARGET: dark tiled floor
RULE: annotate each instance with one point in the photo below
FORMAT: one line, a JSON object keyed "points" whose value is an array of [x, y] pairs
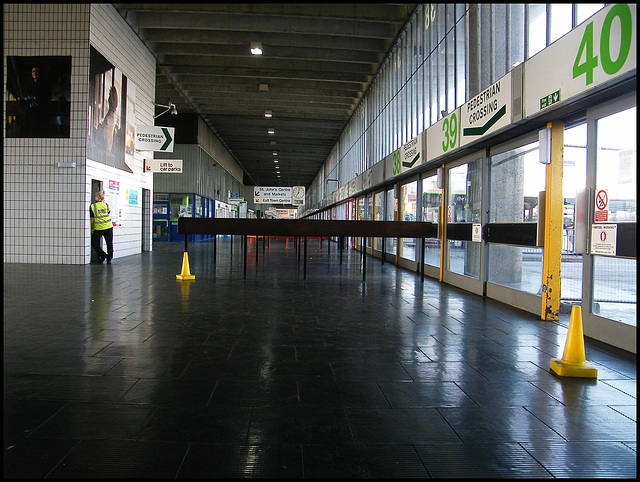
{"points": [[123, 371]]}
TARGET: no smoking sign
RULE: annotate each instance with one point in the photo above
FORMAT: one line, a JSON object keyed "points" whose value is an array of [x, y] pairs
{"points": [[602, 202]]}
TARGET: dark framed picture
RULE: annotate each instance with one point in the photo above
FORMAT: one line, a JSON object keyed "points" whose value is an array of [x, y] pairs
{"points": [[38, 96]]}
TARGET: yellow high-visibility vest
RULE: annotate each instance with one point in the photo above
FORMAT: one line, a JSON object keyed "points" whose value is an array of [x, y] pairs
{"points": [[101, 218]]}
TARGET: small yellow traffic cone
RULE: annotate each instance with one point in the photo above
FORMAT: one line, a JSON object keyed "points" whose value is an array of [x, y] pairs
{"points": [[186, 274], [573, 362]]}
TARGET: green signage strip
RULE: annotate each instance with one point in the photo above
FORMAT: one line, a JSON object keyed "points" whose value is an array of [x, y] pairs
{"points": [[550, 99]]}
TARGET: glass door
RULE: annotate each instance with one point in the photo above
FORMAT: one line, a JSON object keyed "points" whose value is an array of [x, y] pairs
{"points": [[609, 303], [463, 255], [431, 206]]}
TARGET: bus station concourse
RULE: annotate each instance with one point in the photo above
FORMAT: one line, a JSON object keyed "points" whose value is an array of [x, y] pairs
{"points": [[451, 295]]}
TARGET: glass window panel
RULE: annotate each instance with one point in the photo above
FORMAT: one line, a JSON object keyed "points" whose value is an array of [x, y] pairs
{"points": [[517, 177], [391, 210], [499, 41], [585, 10], [378, 215], [451, 72], [460, 63], [616, 164], [409, 210], [465, 184], [442, 78], [516, 34], [574, 178], [537, 28], [434, 87], [431, 203], [559, 20]]}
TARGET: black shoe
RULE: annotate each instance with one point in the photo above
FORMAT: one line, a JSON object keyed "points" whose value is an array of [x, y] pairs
{"points": [[109, 261], [101, 259]]}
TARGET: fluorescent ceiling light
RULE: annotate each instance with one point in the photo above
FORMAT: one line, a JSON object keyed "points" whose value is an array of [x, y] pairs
{"points": [[268, 113], [271, 131], [256, 48]]}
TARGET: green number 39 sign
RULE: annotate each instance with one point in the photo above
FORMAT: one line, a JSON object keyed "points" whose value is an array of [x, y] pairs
{"points": [[586, 62]]}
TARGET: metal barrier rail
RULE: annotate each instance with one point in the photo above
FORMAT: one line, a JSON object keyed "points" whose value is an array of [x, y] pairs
{"points": [[307, 228]]}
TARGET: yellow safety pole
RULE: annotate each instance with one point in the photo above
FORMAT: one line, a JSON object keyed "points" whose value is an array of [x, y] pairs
{"points": [[554, 206]]}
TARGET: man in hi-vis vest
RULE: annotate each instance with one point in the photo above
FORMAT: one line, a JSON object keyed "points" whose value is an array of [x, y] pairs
{"points": [[102, 226]]}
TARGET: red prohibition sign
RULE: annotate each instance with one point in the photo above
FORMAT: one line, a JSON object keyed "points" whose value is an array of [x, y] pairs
{"points": [[603, 236], [601, 200]]}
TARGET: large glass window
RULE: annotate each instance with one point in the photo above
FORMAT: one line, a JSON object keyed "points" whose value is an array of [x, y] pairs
{"points": [[409, 210], [431, 203], [614, 279], [464, 205], [536, 28], [559, 20], [516, 178]]}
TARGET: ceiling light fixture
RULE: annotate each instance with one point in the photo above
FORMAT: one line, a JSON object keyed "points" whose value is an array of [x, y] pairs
{"points": [[275, 153], [168, 108], [275, 160], [271, 131], [256, 48], [268, 113]]}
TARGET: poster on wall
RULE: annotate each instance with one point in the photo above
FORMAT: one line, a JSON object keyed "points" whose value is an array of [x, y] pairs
{"points": [[111, 114], [38, 96]]}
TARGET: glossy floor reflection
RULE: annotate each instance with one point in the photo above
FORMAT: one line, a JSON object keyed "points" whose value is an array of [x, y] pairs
{"points": [[123, 371]]}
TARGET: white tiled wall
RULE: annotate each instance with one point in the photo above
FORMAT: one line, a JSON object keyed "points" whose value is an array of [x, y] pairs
{"points": [[45, 215]]}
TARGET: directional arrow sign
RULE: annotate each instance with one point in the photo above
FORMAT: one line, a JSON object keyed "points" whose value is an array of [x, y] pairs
{"points": [[153, 138], [487, 112]]}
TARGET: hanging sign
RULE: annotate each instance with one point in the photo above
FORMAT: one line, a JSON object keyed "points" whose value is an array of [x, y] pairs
{"points": [[600, 49], [404, 159], [152, 138], [487, 112], [272, 195], [444, 136], [603, 239]]}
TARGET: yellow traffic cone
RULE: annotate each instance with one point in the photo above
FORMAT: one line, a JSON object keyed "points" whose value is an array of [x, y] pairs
{"points": [[186, 274], [573, 362]]}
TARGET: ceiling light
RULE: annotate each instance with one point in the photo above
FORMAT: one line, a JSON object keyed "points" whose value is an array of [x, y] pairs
{"points": [[271, 131], [263, 88], [275, 153], [275, 160], [268, 113], [256, 48]]}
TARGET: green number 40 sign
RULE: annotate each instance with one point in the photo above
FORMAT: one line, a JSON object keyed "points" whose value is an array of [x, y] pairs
{"points": [[585, 62]]}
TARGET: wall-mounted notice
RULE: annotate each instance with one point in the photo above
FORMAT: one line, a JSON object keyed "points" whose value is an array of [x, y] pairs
{"points": [[598, 50], [487, 112], [603, 239]]}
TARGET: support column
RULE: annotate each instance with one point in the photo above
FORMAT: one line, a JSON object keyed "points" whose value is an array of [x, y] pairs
{"points": [[554, 205]]}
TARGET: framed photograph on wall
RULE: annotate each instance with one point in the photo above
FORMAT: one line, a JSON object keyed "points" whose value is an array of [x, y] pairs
{"points": [[38, 97], [109, 100]]}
